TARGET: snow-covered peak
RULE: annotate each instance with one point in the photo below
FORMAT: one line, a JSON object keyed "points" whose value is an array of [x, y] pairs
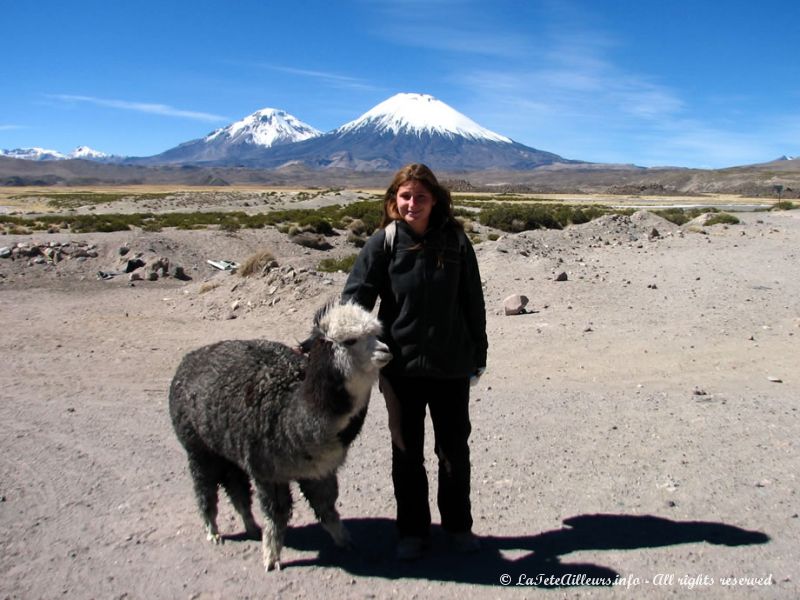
{"points": [[418, 114], [86, 152], [34, 153], [266, 127]]}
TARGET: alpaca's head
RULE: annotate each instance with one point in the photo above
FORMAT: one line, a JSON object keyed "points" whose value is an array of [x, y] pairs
{"points": [[353, 334]]}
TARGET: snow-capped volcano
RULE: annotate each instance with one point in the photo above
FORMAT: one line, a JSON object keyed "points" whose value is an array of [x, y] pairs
{"points": [[34, 153], [241, 140], [406, 128], [88, 153], [402, 129], [83, 152], [266, 127], [420, 114]]}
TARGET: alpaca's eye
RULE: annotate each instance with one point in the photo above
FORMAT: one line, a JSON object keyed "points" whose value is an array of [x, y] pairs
{"points": [[350, 342]]}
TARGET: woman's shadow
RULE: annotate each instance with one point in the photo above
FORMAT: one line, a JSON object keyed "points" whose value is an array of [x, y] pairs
{"points": [[537, 556]]}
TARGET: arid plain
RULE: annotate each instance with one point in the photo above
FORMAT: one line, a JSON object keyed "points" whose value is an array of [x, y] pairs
{"points": [[637, 426]]}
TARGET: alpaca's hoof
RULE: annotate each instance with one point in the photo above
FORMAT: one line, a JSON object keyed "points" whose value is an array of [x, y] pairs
{"points": [[214, 538], [271, 564], [212, 533]]}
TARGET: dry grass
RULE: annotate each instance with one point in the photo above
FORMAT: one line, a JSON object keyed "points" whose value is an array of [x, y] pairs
{"points": [[257, 263], [208, 286]]}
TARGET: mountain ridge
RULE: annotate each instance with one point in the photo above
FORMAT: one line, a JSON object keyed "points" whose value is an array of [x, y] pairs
{"points": [[404, 128]]}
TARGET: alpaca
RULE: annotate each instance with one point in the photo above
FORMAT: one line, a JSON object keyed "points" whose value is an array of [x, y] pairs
{"points": [[260, 410]]}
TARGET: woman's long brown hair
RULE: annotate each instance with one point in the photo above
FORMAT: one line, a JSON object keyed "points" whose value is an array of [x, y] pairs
{"points": [[442, 210]]}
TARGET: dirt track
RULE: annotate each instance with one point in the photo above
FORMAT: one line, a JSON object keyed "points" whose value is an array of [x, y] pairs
{"points": [[629, 427]]}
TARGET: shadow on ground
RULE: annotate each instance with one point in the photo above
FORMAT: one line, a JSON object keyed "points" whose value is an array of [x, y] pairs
{"points": [[537, 556]]}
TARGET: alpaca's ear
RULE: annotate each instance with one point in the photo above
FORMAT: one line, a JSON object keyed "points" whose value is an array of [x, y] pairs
{"points": [[305, 345], [322, 311]]}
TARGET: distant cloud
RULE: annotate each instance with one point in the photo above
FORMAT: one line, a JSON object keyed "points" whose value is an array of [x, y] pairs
{"points": [[155, 109], [326, 77], [11, 127]]}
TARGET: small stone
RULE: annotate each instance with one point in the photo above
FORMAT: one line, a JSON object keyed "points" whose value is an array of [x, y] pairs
{"points": [[562, 276], [775, 379], [178, 272], [515, 304], [133, 264]]}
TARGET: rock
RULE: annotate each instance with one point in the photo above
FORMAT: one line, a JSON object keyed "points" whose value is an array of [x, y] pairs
{"points": [[159, 267], [311, 240], [515, 304], [123, 250], [178, 272], [5, 252], [562, 276], [132, 264]]}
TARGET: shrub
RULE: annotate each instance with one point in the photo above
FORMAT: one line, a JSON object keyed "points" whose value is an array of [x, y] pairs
{"points": [[316, 224], [357, 240], [515, 218], [357, 227], [784, 205], [673, 215], [680, 216], [332, 265], [369, 212], [257, 263], [722, 218]]}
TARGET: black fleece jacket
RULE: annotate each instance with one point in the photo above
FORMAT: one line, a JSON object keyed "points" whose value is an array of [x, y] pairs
{"points": [[432, 307]]}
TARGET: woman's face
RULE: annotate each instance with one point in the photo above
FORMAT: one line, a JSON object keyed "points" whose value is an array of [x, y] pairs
{"points": [[414, 203]]}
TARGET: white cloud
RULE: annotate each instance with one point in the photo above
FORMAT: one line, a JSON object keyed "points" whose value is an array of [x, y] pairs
{"points": [[342, 81], [144, 107], [11, 127]]}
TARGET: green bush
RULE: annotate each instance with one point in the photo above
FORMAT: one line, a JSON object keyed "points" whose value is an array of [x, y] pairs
{"points": [[317, 224], [681, 216], [522, 217], [723, 219], [332, 265], [369, 212]]}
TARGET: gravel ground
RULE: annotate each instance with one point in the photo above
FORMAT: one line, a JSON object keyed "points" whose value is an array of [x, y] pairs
{"points": [[638, 425]]}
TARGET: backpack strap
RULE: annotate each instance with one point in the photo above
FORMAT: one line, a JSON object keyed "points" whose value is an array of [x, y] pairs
{"points": [[389, 240]]}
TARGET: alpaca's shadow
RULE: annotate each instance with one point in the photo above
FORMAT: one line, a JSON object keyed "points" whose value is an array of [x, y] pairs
{"points": [[537, 556]]}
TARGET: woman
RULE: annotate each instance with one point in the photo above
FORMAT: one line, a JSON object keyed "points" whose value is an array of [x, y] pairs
{"points": [[426, 276]]}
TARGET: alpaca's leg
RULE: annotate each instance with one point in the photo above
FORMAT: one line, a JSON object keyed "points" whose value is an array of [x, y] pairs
{"points": [[205, 471], [276, 502], [237, 485], [321, 495]]}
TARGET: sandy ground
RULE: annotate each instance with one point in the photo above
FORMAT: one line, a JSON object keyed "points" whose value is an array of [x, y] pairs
{"points": [[639, 424]]}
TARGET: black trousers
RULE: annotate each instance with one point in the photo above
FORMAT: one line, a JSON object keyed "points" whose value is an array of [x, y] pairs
{"points": [[448, 403]]}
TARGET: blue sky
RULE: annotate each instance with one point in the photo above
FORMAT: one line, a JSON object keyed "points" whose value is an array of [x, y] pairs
{"points": [[653, 82]]}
